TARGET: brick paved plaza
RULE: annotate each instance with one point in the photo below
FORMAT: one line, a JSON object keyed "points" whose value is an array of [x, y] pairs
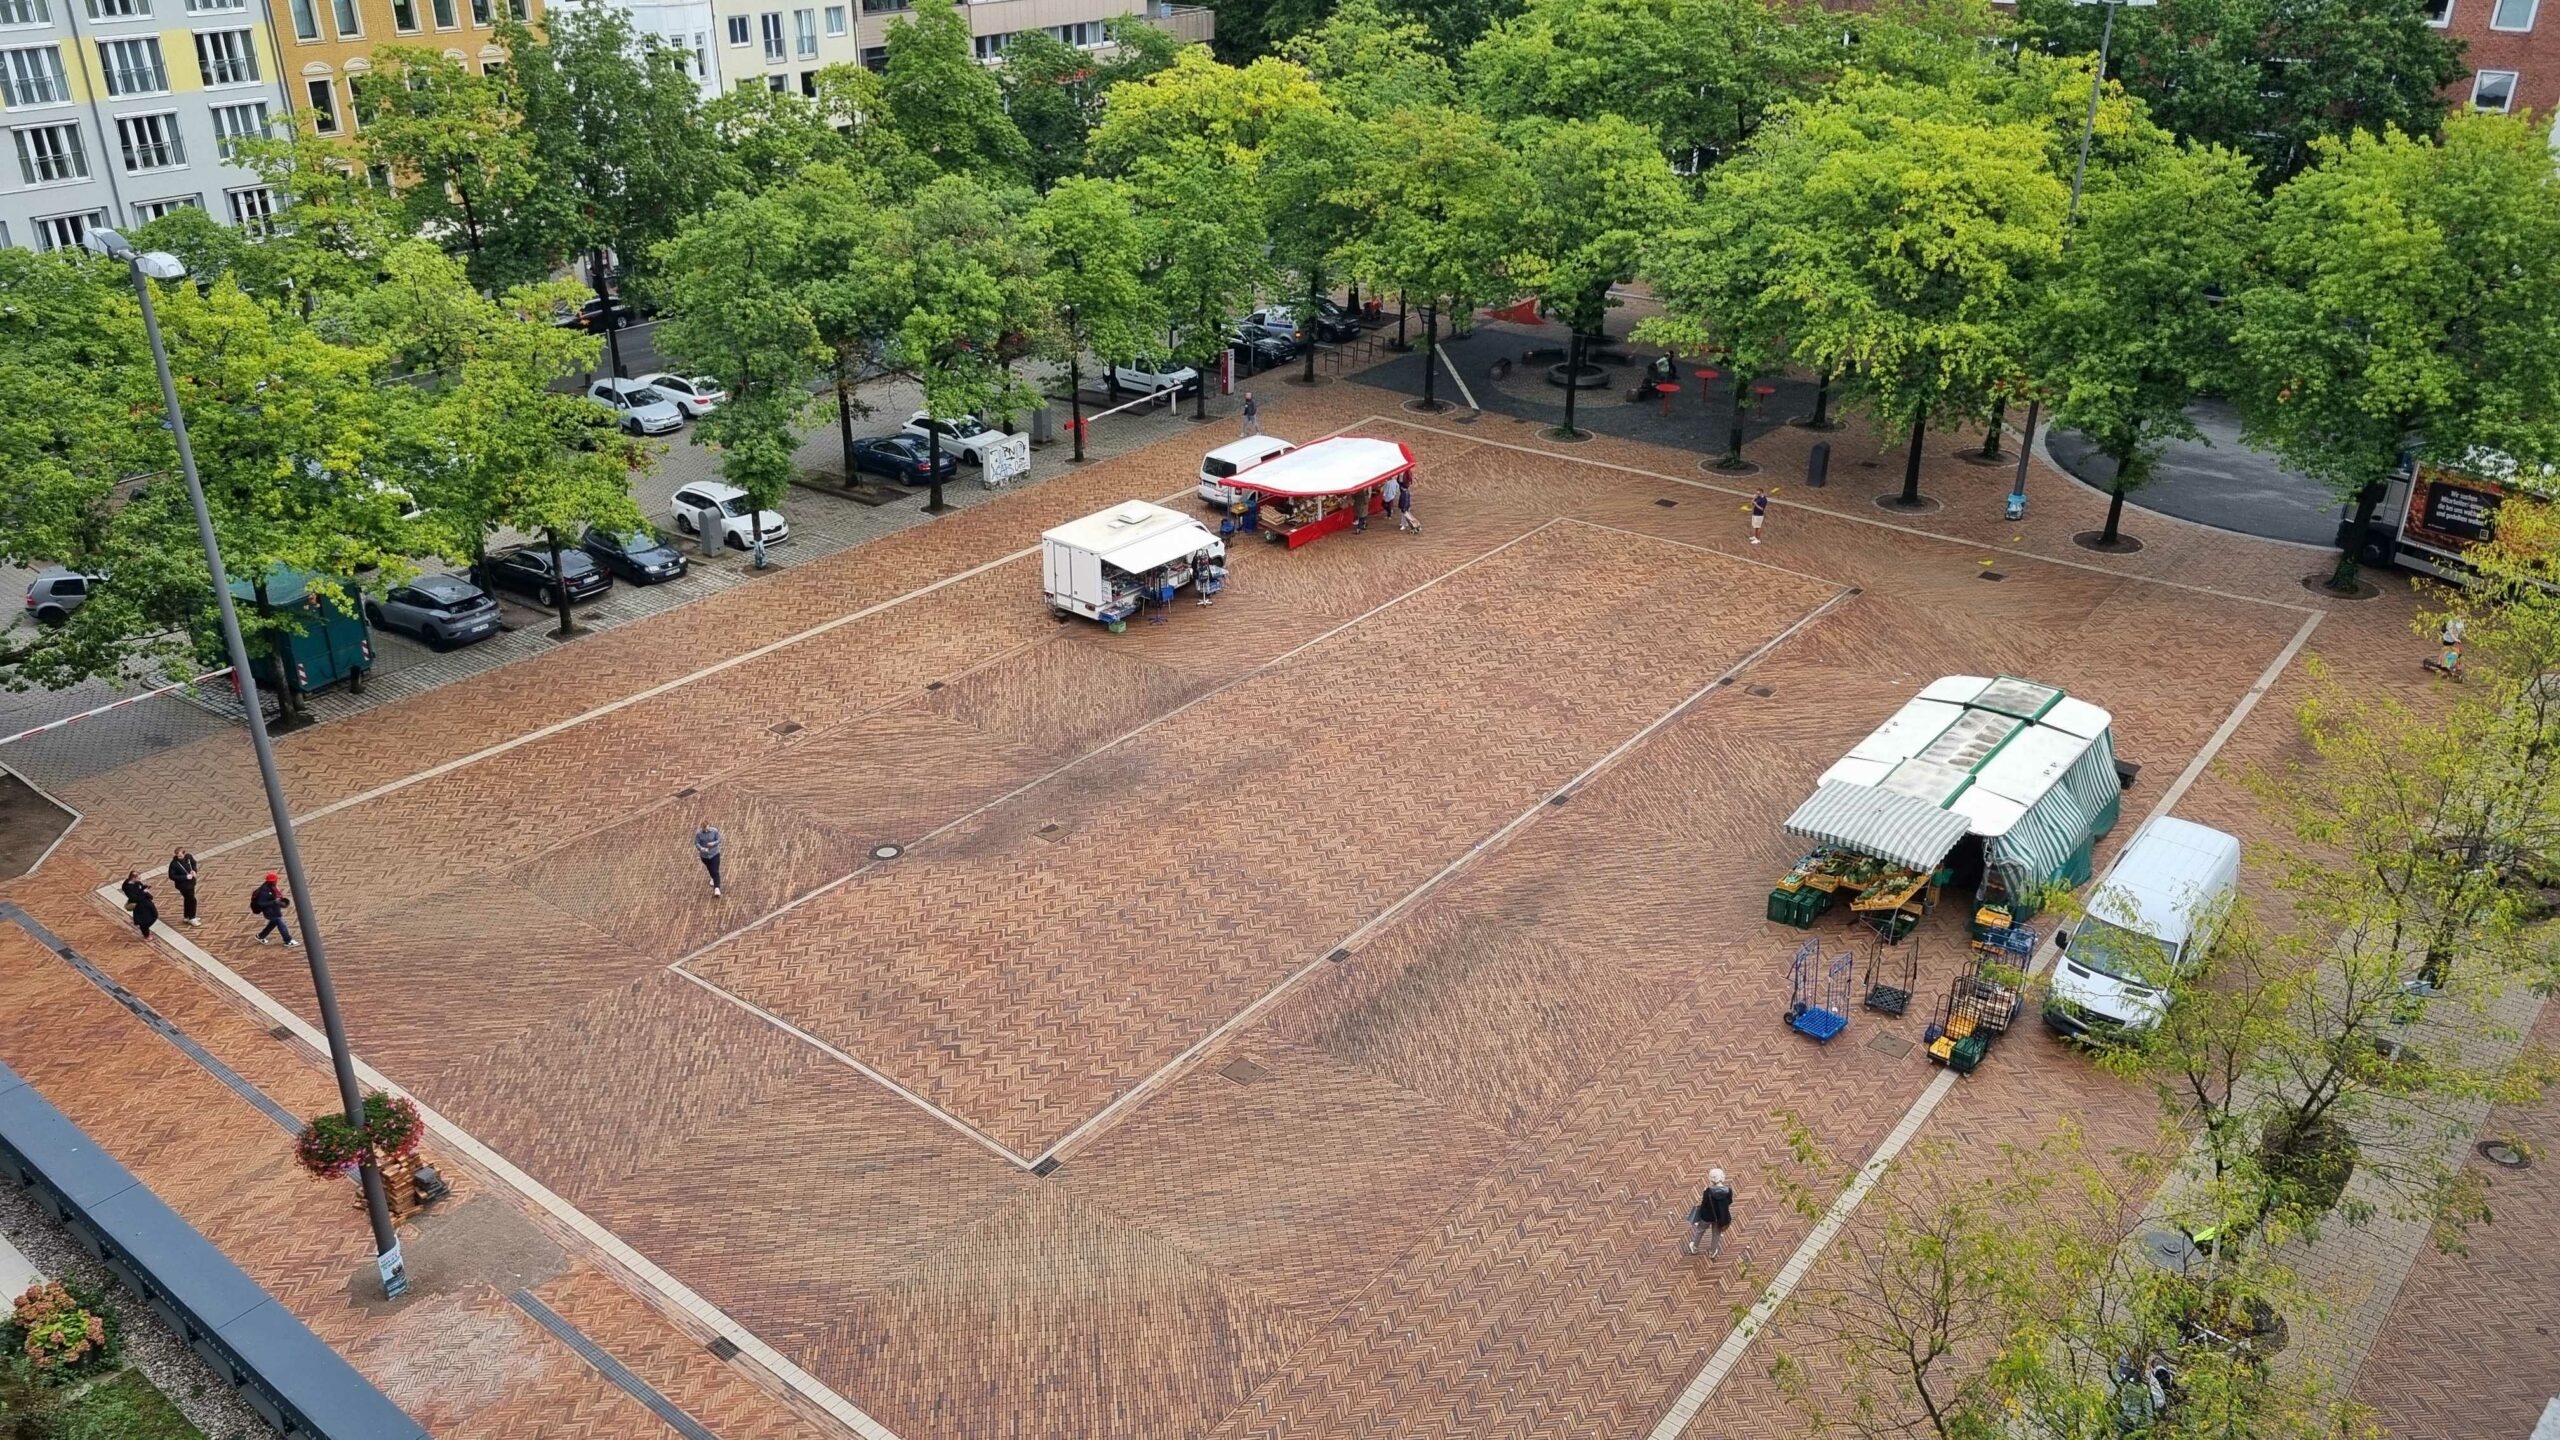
{"points": [[1075, 1118]]}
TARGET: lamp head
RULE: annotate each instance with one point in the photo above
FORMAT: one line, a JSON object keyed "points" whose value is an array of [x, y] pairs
{"points": [[158, 264]]}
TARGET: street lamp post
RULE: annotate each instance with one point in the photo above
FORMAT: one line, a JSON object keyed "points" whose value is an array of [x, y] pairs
{"points": [[2071, 220], [156, 265]]}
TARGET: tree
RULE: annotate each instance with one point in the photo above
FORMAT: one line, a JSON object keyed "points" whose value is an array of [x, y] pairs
{"points": [[462, 163], [1209, 251], [1054, 91], [943, 103], [1094, 253], [2268, 77], [2409, 297], [735, 312], [1372, 60], [2130, 327], [976, 302], [1598, 190], [1198, 107], [332, 223], [1441, 194], [855, 277], [1907, 231], [1304, 175]]}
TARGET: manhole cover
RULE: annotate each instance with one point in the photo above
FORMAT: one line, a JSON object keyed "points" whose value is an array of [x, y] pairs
{"points": [[887, 852], [2509, 1153], [1666, 504], [787, 727], [1763, 691], [1051, 831], [1893, 1045], [1990, 575], [2169, 1250], [1244, 1072]]}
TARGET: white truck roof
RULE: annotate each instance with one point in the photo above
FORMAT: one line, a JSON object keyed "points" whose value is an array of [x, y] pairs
{"points": [[2154, 886], [1135, 535]]}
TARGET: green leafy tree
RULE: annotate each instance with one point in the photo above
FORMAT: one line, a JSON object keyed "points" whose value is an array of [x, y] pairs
{"points": [[1199, 107], [855, 273], [1372, 60], [2268, 77], [976, 305], [1095, 253], [1054, 91], [2409, 296], [1205, 229], [735, 311], [943, 103], [1599, 190], [1304, 177], [1442, 195], [462, 163], [2131, 327]]}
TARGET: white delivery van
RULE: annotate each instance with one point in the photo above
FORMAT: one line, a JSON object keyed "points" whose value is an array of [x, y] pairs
{"points": [[2154, 914], [1106, 565], [1235, 455]]}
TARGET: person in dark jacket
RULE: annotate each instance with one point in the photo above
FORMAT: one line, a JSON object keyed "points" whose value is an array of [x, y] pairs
{"points": [[706, 848], [146, 911], [268, 900], [182, 875], [1714, 1215], [133, 888]]}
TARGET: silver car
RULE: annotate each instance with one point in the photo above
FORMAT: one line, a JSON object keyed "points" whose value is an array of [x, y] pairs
{"points": [[53, 595], [443, 610], [643, 410]]}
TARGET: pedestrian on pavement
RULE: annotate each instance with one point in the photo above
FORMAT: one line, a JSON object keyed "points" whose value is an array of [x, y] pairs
{"points": [[1360, 510], [1714, 1215], [1759, 513], [1388, 496], [146, 911], [1404, 506], [706, 848], [1252, 415], [133, 888], [182, 875], [268, 900], [1208, 574]]}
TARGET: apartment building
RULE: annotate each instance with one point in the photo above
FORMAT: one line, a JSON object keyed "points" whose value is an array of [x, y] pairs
{"points": [[327, 43], [784, 43], [120, 111], [2513, 50]]}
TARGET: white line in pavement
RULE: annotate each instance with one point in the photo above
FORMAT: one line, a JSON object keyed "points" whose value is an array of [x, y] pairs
{"points": [[1442, 351], [1703, 1388]]}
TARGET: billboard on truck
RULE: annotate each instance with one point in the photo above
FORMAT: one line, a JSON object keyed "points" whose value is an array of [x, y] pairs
{"points": [[2435, 513]]}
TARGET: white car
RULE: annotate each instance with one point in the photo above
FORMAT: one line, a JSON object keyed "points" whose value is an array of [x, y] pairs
{"points": [[695, 395], [723, 511], [643, 410], [1154, 375], [1001, 456], [1220, 464]]}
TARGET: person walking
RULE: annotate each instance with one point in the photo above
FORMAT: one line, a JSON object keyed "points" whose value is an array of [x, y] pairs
{"points": [[182, 876], [1388, 496], [1208, 574], [1714, 1215], [1759, 513], [133, 888], [1404, 505], [268, 900], [146, 911], [1252, 415], [706, 848]]}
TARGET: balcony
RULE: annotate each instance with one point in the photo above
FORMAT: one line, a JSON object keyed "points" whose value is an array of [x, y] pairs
{"points": [[1195, 23]]}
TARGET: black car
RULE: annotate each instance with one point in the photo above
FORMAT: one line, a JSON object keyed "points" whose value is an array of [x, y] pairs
{"points": [[1335, 321], [902, 458], [598, 315], [1256, 353], [527, 571], [638, 556]]}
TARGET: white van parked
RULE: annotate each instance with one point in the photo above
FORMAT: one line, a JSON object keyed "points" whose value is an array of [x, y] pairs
{"points": [[1222, 463], [2155, 913]]}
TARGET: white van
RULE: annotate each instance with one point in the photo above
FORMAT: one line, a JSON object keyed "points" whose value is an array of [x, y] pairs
{"points": [[1235, 455], [2157, 907]]}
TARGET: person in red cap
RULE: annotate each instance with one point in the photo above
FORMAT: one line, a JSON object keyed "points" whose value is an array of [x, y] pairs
{"points": [[268, 900]]}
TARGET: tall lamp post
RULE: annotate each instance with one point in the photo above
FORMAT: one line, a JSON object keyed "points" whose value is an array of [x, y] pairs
{"points": [[2070, 222], [145, 268]]}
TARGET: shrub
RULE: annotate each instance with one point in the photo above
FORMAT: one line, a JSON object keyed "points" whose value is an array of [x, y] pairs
{"points": [[65, 1330], [330, 1147]]}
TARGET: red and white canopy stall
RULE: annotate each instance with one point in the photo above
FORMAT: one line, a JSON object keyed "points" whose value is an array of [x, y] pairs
{"points": [[1319, 487]]}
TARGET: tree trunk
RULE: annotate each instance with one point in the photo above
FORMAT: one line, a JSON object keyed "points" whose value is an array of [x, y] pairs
{"points": [[1733, 428], [1400, 342], [844, 417], [1991, 438], [1430, 356], [1911, 463], [1200, 395], [2345, 577], [1572, 375], [1075, 402], [1315, 292], [1821, 403], [755, 530], [933, 466], [2115, 512], [559, 585]]}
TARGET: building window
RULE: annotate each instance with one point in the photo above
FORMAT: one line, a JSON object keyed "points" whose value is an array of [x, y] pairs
{"points": [[2513, 14], [33, 76], [809, 83], [778, 84], [701, 55], [804, 33], [119, 9], [235, 123], [350, 24], [480, 12], [991, 47], [1082, 33], [836, 21], [306, 21], [446, 19], [25, 12], [133, 67], [150, 210], [882, 7], [227, 57], [48, 154], [150, 142], [404, 16], [875, 58], [2493, 90], [67, 232], [740, 32], [211, 7], [252, 208], [324, 105], [2439, 13], [770, 23]]}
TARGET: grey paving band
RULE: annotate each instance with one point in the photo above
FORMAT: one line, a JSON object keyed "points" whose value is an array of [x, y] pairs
{"points": [[239, 1084], [612, 1369]]}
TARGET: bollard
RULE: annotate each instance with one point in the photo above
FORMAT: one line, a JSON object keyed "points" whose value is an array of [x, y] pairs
{"points": [[1043, 427], [1817, 466]]}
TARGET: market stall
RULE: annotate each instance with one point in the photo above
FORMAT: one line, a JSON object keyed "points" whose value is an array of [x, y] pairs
{"points": [[1995, 783], [1320, 487], [1107, 566]]}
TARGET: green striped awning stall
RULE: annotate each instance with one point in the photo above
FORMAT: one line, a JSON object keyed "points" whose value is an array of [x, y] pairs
{"points": [[2050, 842], [1905, 829]]}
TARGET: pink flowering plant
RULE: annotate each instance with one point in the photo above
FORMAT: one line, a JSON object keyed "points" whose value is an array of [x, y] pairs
{"points": [[65, 1332], [331, 1147]]}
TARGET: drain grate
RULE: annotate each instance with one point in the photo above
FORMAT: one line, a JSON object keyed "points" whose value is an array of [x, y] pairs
{"points": [[1051, 831], [1893, 1045], [1666, 504], [933, 685], [1558, 799], [1244, 1072], [724, 1348], [786, 727], [2510, 1153], [1046, 1167], [687, 793], [1338, 956], [1991, 575], [281, 1032], [1763, 691]]}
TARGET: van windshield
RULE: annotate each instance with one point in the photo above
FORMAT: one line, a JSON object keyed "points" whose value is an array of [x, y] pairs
{"points": [[2120, 954], [1217, 469]]}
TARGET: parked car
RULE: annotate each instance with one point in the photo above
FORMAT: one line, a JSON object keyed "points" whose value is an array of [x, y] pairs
{"points": [[1256, 352], [968, 435], [1277, 323], [53, 595], [1221, 464], [527, 571], [1333, 321], [710, 507], [1154, 375], [901, 457], [695, 395], [643, 410], [638, 556], [596, 314], [442, 610]]}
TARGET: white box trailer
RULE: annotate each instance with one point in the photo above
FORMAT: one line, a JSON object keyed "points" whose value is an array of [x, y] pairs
{"points": [[1106, 565]]}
